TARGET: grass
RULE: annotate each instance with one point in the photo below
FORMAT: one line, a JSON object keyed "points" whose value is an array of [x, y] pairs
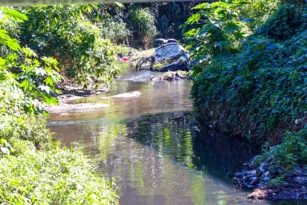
{"points": [[55, 176], [34, 170]]}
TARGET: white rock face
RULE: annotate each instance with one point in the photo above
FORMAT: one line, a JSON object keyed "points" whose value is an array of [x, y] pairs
{"points": [[170, 50]]}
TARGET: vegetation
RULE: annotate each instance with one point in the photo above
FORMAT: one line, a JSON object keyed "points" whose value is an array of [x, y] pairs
{"points": [[66, 33], [143, 23], [250, 73], [249, 69], [33, 169]]}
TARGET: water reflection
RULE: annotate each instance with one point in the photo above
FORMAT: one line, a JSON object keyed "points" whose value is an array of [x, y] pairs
{"points": [[156, 160]]}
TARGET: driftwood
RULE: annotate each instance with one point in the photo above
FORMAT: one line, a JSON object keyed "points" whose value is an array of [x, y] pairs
{"points": [[145, 60]]}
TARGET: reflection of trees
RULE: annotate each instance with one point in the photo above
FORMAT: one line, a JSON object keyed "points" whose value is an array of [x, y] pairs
{"points": [[139, 174], [197, 190], [142, 153], [107, 136]]}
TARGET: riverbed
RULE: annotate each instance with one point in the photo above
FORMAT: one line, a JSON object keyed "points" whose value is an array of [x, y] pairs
{"points": [[152, 146]]}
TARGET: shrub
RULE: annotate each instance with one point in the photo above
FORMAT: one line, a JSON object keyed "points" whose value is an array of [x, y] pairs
{"points": [[116, 31], [16, 123], [21, 66], [32, 169], [65, 33], [259, 92], [55, 176], [219, 28], [143, 24], [284, 23], [290, 152]]}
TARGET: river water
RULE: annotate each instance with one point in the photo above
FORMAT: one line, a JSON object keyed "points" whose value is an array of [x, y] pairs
{"points": [[154, 149]]}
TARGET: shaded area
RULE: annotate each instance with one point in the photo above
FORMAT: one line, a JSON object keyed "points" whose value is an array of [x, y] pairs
{"points": [[156, 159]]}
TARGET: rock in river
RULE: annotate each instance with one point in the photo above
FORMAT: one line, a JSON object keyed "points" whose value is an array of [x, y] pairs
{"points": [[133, 94]]}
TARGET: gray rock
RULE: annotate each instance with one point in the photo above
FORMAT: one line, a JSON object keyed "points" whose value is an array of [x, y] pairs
{"points": [[255, 181], [302, 180], [252, 172], [266, 174], [300, 171]]}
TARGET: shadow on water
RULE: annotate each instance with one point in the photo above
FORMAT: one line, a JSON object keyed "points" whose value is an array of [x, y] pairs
{"points": [[155, 149], [179, 136]]}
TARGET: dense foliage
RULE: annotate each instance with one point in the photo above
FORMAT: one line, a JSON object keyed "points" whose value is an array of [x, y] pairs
{"points": [[34, 170], [143, 23], [66, 33], [136, 25], [250, 79], [221, 27], [21, 66]]}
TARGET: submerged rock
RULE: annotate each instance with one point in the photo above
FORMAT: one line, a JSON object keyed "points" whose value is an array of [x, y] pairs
{"points": [[170, 76], [133, 94], [81, 107]]}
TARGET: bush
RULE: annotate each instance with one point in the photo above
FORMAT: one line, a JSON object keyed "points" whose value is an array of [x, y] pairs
{"points": [[290, 152], [32, 169], [259, 91], [283, 24], [55, 176], [65, 33], [21, 66], [219, 28], [116, 31], [16, 123], [143, 25]]}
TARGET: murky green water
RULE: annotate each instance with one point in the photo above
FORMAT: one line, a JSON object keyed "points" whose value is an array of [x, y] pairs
{"points": [[154, 148]]}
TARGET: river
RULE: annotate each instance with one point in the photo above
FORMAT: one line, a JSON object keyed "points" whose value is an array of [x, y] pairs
{"points": [[153, 148]]}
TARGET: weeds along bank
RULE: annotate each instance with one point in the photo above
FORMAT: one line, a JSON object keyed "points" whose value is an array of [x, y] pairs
{"points": [[250, 79], [33, 169]]}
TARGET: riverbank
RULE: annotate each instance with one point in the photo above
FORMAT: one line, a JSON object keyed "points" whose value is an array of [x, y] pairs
{"points": [[35, 169], [258, 93], [272, 182]]}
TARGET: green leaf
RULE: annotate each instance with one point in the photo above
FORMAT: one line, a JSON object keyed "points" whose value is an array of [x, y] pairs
{"points": [[15, 14], [49, 81], [200, 6], [5, 39], [231, 27], [194, 18], [50, 100], [25, 84], [120, 5]]}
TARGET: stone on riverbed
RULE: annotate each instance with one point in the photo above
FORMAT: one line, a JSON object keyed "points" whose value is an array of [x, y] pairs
{"points": [[133, 94], [81, 107], [264, 177]]}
